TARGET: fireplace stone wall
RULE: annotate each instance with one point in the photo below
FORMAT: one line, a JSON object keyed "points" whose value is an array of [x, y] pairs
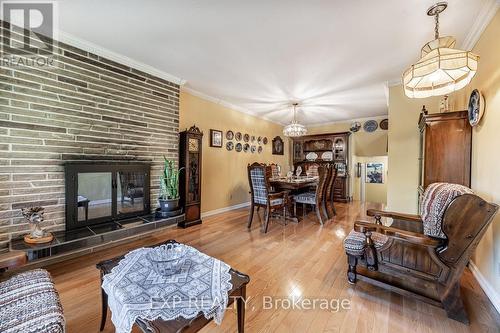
{"points": [[85, 108]]}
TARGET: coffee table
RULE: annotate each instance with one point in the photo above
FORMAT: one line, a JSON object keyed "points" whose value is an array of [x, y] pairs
{"points": [[237, 292]]}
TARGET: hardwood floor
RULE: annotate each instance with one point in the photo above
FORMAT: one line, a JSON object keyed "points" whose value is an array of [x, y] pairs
{"points": [[302, 260]]}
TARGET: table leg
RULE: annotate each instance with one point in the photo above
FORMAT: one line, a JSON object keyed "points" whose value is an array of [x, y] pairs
{"points": [[240, 308], [104, 309]]}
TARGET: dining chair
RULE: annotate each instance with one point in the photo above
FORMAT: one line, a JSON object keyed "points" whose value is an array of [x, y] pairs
{"points": [[314, 198], [275, 170], [261, 196], [312, 170], [329, 192]]}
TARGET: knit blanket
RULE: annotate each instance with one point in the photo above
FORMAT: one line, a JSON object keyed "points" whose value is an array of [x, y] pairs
{"points": [[437, 197]]}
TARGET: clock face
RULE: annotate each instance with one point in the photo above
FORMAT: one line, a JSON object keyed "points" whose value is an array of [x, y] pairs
{"points": [[193, 144]]}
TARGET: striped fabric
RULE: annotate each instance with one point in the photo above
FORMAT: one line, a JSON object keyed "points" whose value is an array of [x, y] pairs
{"points": [[436, 199], [355, 242], [307, 198], [29, 303], [259, 186]]}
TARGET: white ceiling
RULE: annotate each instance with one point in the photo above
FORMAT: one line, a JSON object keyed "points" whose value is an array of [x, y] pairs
{"points": [[335, 57]]}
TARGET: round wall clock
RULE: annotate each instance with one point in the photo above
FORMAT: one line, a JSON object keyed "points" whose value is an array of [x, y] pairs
{"points": [[370, 126], [476, 107]]}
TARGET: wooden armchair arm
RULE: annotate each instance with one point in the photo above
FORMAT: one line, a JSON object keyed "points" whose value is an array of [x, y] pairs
{"points": [[398, 216], [407, 236]]}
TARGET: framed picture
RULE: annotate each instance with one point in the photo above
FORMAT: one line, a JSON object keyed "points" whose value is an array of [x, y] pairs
{"points": [[278, 148], [215, 138], [374, 173]]}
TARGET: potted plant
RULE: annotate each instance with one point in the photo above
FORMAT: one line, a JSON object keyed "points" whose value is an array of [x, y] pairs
{"points": [[169, 187]]}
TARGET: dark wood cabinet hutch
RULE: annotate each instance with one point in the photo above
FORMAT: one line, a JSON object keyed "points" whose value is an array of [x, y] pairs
{"points": [[445, 148], [190, 149], [334, 144]]}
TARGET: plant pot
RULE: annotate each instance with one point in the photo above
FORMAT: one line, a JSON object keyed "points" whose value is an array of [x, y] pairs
{"points": [[168, 205]]}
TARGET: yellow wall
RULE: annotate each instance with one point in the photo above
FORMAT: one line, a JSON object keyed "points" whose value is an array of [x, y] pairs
{"points": [[485, 145], [224, 173], [403, 148]]}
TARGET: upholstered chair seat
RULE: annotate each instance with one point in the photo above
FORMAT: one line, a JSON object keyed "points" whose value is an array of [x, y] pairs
{"points": [[306, 198], [355, 242], [29, 303]]}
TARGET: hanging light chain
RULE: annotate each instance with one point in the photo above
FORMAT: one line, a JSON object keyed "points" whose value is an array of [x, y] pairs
{"points": [[436, 28]]}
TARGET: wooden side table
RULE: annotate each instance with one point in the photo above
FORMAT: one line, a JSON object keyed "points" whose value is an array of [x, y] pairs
{"points": [[12, 259], [237, 292]]}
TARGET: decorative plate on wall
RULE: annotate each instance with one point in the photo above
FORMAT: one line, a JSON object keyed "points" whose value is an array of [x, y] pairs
{"points": [[476, 107], [253, 149], [259, 140], [259, 150], [252, 138], [229, 135], [370, 126], [246, 137], [238, 147], [246, 148], [355, 126], [312, 156], [237, 136], [384, 124], [264, 141], [229, 145]]}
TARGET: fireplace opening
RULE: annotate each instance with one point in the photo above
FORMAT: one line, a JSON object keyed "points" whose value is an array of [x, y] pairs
{"points": [[101, 192]]}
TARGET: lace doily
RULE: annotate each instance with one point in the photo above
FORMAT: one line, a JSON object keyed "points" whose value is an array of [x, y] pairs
{"points": [[136, 290]]}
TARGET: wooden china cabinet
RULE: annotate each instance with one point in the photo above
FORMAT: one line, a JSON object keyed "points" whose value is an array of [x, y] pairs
{"points": [[445, 149], [190, 149], [331, 148]]}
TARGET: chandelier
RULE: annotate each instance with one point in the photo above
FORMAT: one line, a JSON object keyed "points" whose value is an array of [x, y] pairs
{"points": [[441, 69], [294, 129]]}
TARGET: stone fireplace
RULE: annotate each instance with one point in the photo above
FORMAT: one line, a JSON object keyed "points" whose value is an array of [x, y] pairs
{"points": [[88, 108]]}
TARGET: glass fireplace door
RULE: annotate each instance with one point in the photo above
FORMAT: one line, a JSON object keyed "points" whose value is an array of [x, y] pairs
{"points": [[94, 196]]}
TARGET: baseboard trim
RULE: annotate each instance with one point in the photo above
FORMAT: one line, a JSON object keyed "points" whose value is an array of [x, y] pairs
{"points": [[486, 286], [224, 209]]}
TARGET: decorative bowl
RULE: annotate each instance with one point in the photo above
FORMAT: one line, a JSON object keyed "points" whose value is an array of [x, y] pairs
{"points": [[167, 259]]}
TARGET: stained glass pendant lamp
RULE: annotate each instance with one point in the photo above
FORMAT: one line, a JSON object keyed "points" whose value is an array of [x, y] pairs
{"points": [[294, 129], [442, 68]]}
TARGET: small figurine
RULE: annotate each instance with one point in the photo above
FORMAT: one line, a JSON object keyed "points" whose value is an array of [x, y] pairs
{"points": [[34, 215]]}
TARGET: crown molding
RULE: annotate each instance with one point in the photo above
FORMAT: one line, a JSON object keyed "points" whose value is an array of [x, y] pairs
{"points": [[103, 52], [226, 104], [482, 20]]}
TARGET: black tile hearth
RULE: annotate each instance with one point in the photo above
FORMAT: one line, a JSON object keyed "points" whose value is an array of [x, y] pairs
{"points": [[90, 237]]}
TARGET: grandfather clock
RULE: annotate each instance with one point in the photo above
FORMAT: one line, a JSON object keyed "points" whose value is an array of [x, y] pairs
{"points": [[190, 146]]}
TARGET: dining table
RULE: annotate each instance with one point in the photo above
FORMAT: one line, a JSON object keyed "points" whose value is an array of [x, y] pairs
{"points": [[293, 184]]}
